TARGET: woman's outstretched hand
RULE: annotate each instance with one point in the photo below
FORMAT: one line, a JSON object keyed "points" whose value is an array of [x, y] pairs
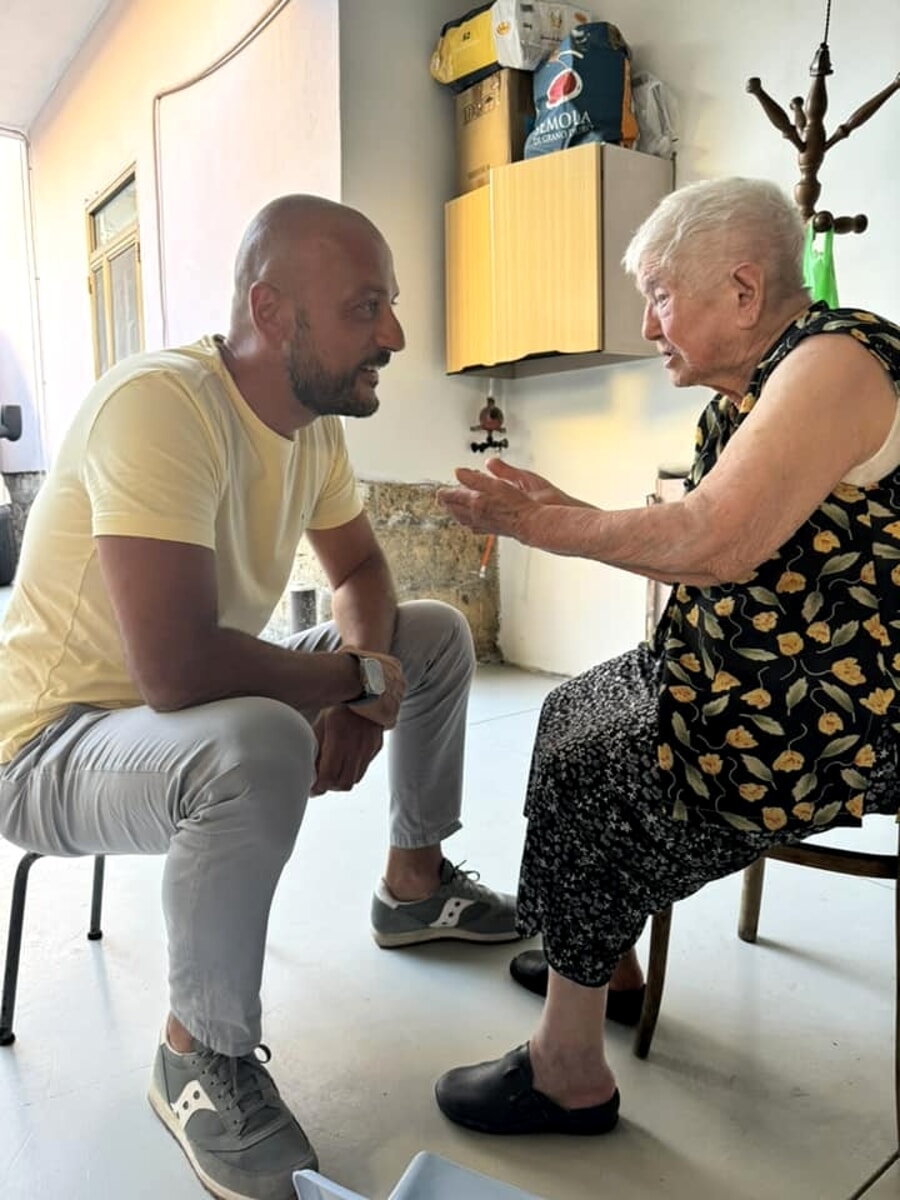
{"points": [[501, 499]]}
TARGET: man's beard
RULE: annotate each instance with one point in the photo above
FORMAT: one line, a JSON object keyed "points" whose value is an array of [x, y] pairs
{"points": [[327, 394]]}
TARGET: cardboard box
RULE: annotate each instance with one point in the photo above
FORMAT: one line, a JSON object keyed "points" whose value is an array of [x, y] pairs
{"points": [[507, 33], [493, 118]]}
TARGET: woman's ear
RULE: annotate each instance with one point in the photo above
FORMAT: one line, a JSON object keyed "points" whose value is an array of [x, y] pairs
{"points": [[748, 286]]}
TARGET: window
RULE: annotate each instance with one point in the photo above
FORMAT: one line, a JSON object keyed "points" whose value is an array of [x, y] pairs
{"points": [[115, 273]]}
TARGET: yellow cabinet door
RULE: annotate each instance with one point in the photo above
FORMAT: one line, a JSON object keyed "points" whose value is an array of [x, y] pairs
{"points": [[547, 241], [534, 278], [469, 281]]}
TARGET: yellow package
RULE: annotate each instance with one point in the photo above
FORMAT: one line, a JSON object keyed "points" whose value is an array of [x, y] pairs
{"points": [[465, 51]]}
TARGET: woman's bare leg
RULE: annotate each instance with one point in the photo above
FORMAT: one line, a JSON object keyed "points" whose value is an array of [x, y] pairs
{"points": [[568, 1055]]}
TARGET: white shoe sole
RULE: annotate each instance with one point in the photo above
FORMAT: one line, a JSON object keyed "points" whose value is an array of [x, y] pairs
{"points": [[162, 1109], [447, 933]]}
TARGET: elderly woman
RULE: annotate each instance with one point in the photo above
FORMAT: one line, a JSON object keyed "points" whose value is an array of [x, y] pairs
{"points": [[765, 711]]}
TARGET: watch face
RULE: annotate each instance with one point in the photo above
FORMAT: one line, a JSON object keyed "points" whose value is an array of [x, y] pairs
{"points": [[373, 676]]}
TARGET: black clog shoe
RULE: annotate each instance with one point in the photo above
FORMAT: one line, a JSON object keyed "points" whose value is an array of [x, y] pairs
{"points": [[500, 1097]]}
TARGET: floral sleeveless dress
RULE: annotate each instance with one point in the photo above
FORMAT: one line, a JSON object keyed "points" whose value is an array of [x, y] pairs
{"points": [[775, 690], [765, 711]]}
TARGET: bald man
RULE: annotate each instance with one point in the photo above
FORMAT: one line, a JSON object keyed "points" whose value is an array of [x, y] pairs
{"points": [[140, 712]]}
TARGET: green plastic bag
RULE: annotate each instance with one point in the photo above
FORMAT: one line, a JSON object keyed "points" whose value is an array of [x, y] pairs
{"points": [[818, 267]]}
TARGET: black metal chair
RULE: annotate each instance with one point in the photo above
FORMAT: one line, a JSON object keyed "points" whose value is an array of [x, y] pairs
{"points": [[14, 937]]}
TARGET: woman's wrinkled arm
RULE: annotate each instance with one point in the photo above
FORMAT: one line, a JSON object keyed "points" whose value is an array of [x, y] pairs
{"points": [[826, 408]]}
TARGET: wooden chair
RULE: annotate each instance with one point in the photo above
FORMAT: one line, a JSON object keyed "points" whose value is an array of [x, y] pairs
{"points": [[14, 936], [805, 854]]}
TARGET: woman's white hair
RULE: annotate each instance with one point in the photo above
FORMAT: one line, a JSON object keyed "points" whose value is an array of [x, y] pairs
{"points": [[702, 228]]}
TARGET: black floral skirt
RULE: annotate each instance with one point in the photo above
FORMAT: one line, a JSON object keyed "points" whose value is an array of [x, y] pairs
{"points": [[602, 852]]}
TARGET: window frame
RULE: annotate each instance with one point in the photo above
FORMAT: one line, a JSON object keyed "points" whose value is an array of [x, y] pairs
{"points": [[100, 259]]}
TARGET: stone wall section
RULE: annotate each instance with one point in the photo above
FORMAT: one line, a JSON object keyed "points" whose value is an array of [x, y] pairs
{"points": [[430, 557]]}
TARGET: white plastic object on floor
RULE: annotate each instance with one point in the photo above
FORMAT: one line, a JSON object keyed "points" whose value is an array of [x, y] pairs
{"points": [[310, 1185], [428, 1177]]}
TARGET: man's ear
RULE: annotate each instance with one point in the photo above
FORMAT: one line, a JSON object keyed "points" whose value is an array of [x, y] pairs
{"points": [[267, 311], [748, 282]]}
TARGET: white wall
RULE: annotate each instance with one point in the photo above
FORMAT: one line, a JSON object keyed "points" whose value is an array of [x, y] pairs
{"points": [[600, 433], [398, 167], [267, 123], [18, 359]]}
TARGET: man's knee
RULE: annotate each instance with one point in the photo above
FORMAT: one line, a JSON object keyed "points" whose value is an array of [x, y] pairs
{"points": [[266, 759], [260, 725], [437, 629]]}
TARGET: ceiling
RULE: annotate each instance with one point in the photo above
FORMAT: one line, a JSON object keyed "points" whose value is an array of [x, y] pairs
{"points": [[38, 40]]}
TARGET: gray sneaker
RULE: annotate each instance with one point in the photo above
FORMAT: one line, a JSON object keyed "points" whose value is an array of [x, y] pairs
{"points": [[461, 908], [237, 1132]]}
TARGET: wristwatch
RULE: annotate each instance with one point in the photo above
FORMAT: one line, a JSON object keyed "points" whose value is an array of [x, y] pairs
{"points": [[371, 678]]}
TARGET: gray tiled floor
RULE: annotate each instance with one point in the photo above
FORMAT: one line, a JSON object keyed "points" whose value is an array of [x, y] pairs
{"points": [[770, 1075]]}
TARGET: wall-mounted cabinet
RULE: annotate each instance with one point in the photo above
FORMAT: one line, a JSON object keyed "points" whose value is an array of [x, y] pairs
{"points": [[534, 279]]}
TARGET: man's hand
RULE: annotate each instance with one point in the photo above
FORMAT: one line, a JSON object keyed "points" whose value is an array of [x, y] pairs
{"points": [[383, 711], [347, 744]]}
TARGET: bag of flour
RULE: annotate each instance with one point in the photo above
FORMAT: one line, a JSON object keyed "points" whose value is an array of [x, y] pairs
{"points": [[582, 93]]}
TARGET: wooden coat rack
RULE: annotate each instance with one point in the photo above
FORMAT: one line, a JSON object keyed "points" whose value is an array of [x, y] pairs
{"points": [[807, 133]]}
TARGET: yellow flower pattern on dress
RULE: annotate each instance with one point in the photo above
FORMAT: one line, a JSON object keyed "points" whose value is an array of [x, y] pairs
{"points": [[790, 643], [752, 791], [710, 764], [790, 581], [875, 628], [788, 760], [878, 701], [848, 492], [741, 737], [723, 681], [825, 542], [794, 670], [847, 670], [765, 621], [864, 757], [830, 722]]}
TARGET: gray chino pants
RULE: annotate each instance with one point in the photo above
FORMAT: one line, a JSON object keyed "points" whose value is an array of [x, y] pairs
{"points": [[221, 790]]}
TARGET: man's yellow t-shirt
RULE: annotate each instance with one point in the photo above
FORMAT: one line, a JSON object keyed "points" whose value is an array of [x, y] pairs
{"points": [[164, 447]]}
